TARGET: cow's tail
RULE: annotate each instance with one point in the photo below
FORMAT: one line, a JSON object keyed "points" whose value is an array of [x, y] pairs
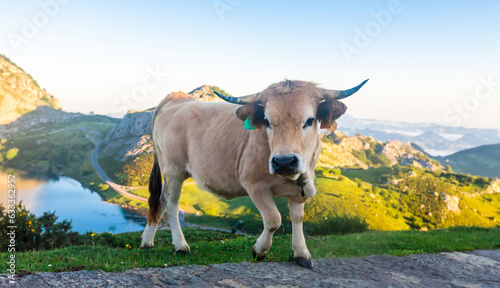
{"points": [[155, 186]]}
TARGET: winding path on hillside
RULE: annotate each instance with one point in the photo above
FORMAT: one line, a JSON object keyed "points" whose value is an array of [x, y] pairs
{"points": [[480, 268], [118, 188]]}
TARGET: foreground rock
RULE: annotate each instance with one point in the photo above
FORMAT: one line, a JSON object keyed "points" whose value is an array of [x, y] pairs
{"points": [[473, 269]]}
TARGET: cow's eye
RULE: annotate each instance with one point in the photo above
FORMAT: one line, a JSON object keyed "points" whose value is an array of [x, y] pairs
{"points": [[308, 123], [266, 123]]}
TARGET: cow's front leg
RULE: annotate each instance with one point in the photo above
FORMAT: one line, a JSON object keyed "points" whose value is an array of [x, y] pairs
{"points": [[301, 254], [264, 201]]}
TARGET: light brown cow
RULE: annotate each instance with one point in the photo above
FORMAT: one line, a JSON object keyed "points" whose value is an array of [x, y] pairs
{"points": [[209, 142]]}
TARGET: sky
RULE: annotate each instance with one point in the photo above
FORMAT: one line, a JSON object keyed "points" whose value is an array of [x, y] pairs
{"points": [[427, 61]]}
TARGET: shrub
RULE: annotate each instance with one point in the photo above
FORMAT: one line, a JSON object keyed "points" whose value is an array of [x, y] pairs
{"points": [[11, 153], [319, 173], [448, 169], [55, 235], [103, 187], [34, 233], [28, 232], [359, 182], [335, 172]]}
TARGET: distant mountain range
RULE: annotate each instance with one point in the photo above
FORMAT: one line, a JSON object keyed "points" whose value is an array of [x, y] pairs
{"points": [[483, 160], [20, 93], [434, 139]]}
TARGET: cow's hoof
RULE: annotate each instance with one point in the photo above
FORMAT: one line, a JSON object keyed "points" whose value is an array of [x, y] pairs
{"points": [[183, 252], [303, 262], [147, 246], [257, 256]]}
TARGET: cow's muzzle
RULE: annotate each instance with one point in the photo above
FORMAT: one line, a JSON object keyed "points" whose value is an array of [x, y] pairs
{"points": [[285, 165]]}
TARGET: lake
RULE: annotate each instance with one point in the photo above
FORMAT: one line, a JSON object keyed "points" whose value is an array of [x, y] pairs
{"points": [[72, 201]]}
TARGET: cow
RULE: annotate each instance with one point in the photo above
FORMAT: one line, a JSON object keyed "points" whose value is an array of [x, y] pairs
{"points": [[266, 145]]}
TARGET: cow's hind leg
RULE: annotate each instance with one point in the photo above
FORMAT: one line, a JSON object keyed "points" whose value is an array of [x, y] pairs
{"points": [[272, 221], [174, 193], [301, 253], [148, 235]]}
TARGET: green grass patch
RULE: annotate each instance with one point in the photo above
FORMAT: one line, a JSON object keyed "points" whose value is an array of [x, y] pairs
{"points": [[372, 175], [209, 247], [143, 192], [400, 243]]}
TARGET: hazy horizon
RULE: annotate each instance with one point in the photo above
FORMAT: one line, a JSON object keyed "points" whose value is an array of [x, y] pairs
{"points": [[427, 62]]}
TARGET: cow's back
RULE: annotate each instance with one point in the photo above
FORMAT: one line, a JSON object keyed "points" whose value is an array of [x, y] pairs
{"points": [[205, 139]]}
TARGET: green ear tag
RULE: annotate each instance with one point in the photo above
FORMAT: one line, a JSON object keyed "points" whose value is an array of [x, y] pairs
{"points": [[248, 124]]}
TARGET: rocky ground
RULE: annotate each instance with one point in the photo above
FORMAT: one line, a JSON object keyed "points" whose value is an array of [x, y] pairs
{"points": [[473, 269]]}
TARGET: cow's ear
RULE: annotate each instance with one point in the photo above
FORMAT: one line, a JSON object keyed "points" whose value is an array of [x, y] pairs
{"points": [[329, 111], [254, 111]]}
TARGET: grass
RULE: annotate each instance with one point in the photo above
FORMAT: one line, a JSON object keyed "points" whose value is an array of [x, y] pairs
{"points": [[344, 197], [209, 247], [401, 243], [143, 192], [372, 175]]}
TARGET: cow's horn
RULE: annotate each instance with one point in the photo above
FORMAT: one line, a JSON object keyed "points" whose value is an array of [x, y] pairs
{"points": [[341, 94], [239, 100]]}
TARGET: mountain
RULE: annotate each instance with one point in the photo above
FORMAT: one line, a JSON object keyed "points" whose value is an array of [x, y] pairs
{"points": [[434, 139], [340, 150], [20, 93], [47, 119], [206, 93], [130, 137], [483, 160]]}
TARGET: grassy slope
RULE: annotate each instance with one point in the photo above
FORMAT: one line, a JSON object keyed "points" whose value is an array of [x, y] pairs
{"points": [[483, 160], [209, 247], [384, 207], [344, 197], [67, 151]]}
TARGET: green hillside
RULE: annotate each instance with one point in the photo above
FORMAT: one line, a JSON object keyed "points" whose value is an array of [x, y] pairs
{"points": [[391, 186], [62, 148], [397, 198], [483, 160]]}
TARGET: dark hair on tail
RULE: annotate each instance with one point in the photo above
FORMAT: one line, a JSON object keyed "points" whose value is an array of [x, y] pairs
{"points": [[155, 185]]}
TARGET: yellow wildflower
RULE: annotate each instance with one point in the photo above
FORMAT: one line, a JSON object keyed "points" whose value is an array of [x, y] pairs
{"points": [[32, 230], [93, 234]]}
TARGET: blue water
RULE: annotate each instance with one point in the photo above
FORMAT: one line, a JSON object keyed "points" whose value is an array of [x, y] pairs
{"points": [[72, 201]]}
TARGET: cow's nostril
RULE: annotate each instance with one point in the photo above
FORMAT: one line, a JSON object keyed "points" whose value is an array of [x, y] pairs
{"points": [[283, 160], [286, 163]]}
